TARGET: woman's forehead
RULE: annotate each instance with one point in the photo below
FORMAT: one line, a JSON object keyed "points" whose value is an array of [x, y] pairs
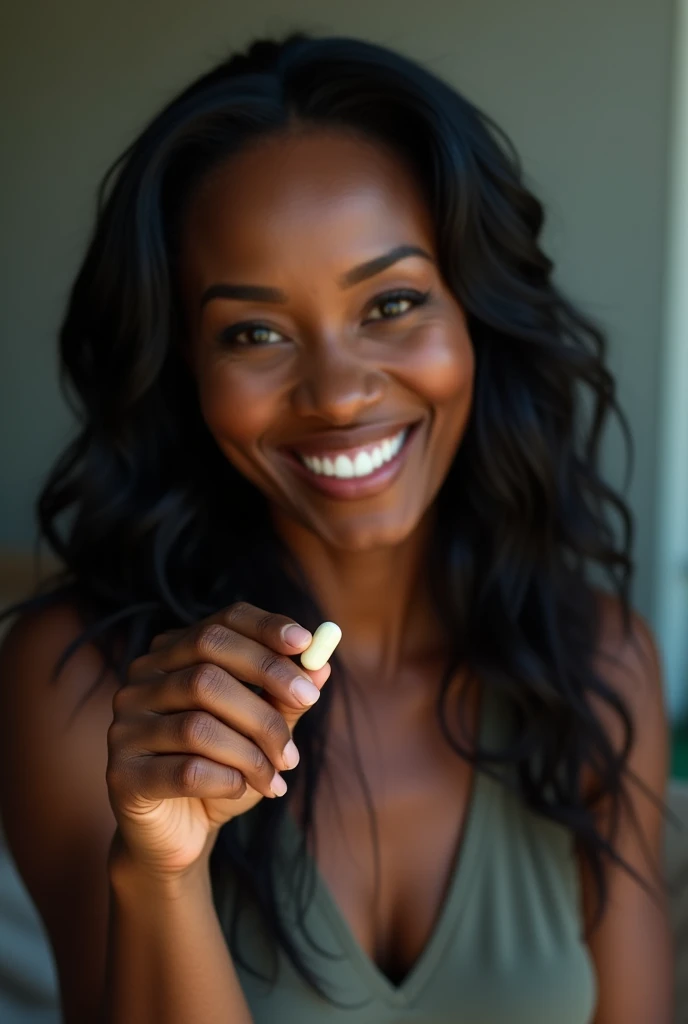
{"points": [[337, 193]]}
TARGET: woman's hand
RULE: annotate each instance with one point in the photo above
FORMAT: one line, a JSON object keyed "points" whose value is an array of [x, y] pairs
{"points": [[191, 746]]}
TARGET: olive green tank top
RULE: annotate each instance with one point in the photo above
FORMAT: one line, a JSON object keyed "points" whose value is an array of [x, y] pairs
{"points": [[506, 947]]}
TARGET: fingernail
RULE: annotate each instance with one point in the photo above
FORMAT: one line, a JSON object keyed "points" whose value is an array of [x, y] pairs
{"points": [[278, 785], [304, 690], [296, 636], [290, 755]]}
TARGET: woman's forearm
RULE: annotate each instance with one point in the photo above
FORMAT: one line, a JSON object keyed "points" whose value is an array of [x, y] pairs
{"points": [[168, 961]]}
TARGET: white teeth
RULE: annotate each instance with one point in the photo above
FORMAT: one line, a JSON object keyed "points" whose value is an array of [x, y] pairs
{"points": [[365, 462], [343, 467]]}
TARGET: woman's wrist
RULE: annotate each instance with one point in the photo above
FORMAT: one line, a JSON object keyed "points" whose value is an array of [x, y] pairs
{"points": [[167, 954], [131, 875]]}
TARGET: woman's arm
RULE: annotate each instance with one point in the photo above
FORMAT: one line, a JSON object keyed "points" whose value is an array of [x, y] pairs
{"points": [[632, 947], [53, 797], [167, 957], [158, 952]]}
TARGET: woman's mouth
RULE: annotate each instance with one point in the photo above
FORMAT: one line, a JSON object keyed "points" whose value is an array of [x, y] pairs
{"points": [[358, 471]]}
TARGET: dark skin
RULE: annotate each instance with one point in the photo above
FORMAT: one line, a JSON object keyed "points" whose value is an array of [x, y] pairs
{"points": [[334, 361], [332, 369]]}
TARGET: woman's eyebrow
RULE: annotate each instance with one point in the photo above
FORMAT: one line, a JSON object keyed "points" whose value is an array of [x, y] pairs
{"points": [[262, 293], [247, 292], [380, 263]]}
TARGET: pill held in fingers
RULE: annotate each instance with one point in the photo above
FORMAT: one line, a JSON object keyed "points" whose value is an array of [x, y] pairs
{"points": [[319, 651]]}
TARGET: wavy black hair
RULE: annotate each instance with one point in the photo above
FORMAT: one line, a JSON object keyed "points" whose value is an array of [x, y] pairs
{"points": [[145, 511]]}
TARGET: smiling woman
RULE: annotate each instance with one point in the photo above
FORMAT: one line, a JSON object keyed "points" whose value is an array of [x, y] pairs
{"points": [[323, 374], [326, 332]]}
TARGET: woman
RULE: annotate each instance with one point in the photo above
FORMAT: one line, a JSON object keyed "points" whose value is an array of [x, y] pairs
{"points": [[323, 373]]}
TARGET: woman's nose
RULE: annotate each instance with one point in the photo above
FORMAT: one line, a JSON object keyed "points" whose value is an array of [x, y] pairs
{"points": [[336, 385]]}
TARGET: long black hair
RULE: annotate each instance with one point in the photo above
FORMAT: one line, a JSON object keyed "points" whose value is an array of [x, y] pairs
{"points": [[156, 529]]}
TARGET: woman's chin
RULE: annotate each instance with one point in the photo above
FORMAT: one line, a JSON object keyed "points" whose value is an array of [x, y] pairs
{"points": [[369, 534]]}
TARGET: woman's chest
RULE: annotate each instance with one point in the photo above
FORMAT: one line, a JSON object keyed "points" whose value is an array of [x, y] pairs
{"points": [[472, 916], [391, 815]]}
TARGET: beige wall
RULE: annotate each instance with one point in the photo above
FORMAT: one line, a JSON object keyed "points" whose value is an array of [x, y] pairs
{"points": [[582, 88]]}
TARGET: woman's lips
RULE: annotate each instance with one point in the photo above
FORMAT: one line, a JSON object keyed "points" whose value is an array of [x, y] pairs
{"points": [[356, 487]]}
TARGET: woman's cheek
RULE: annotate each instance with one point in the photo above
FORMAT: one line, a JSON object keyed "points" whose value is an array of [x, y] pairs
{"points": [[238, 414], [236, 406], [440, 363]]}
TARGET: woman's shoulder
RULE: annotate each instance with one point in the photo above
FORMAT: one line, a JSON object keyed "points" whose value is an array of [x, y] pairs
{"points": [[54, 802], [31, 649], [628, 662], [53, 732], [627, 656]]}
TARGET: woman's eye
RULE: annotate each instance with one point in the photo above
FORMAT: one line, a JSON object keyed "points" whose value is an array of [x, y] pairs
{"points": [[250, 335], [387, 307], [394, 305]]}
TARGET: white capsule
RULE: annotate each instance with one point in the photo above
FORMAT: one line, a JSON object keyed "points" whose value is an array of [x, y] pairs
{"points": [[325, 639]]}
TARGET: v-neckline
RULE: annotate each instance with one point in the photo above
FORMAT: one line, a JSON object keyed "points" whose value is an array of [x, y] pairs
{"points": [[465, 859]]}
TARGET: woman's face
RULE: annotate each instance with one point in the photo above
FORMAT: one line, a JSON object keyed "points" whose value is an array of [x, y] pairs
{"points": [[334, 366]]}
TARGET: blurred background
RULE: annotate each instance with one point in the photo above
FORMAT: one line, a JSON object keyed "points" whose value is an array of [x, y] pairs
{"points": [[594, 96]]}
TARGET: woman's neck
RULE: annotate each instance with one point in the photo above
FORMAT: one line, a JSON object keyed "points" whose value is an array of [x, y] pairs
{"points": [[380, 598]]}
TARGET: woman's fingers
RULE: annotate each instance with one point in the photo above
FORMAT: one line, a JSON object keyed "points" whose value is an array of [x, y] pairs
{"points": [[165, 639], [199, 734], [277, 632], [291, 687], [207, 714], [290, 716], [209, 688], [175, 775], [206, 665]]}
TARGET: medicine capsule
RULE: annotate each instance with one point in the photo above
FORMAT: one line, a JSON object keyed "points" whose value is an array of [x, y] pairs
{"points": [[325, 639]]}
